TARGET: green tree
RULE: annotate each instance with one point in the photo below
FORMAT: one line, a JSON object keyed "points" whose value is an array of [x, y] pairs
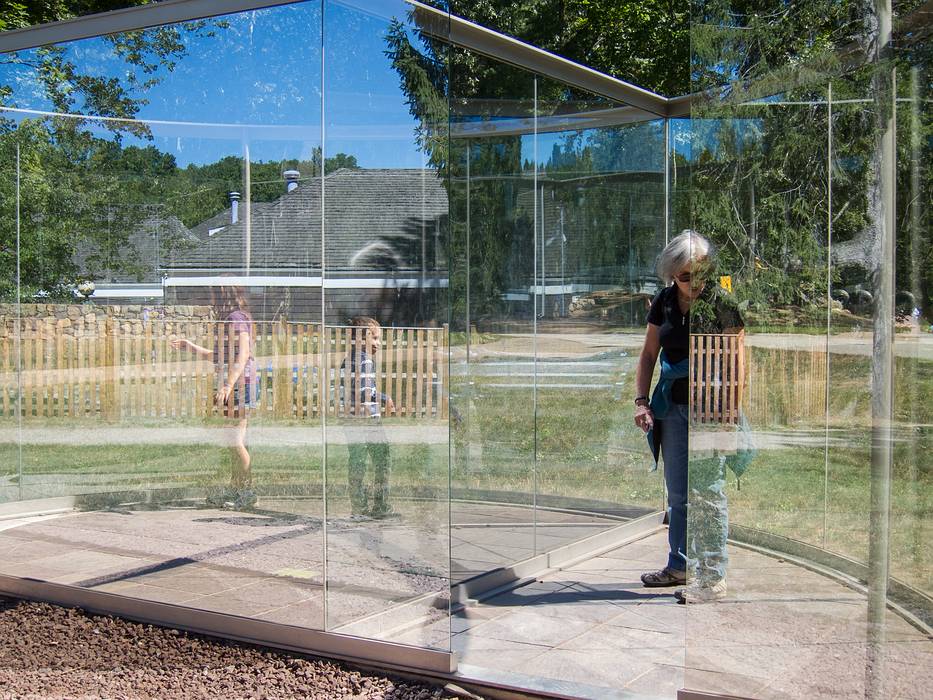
{"points": [[646, 42], [760, 173], [76, 198]]}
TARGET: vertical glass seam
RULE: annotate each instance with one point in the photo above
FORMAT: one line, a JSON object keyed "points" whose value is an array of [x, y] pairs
{"points": [[468, 322], [534, 325], [829, 297], [19, 336], [448, 55], [247, 209], [667, 180], [325, 355]]}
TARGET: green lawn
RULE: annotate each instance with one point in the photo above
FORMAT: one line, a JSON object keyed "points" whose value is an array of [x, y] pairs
{"points": [[579, 443]]}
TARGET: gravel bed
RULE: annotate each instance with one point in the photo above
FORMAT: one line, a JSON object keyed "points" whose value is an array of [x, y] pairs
{"points": [[51, 652]]}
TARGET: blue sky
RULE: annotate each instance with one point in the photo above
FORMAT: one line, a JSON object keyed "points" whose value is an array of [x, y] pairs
{"points": [[257, 81]]}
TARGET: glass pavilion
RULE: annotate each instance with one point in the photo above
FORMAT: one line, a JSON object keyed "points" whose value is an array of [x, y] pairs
{"points": [[253, 179]]}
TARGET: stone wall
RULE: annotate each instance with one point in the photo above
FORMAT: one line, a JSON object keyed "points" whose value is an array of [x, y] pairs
{"points": [[129, 317]]}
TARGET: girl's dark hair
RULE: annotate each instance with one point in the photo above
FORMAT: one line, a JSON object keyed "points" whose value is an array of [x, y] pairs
{"points": [[229, 298]]}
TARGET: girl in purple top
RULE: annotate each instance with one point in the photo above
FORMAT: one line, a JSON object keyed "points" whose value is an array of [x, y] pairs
{"points": [[235, 366]]}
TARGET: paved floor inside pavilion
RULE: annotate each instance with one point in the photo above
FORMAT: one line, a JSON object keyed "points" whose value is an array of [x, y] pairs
{"points": [[268, 563], [594, 631], [591, 629]]}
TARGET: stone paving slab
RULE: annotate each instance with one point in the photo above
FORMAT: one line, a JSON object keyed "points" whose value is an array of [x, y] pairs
{"points": [[783, 632], [269, 563]]}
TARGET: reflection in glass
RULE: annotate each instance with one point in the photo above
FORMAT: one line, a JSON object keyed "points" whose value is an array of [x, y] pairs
{"points": [[385, 327], [159, 327], [806, 186], [600, 225], [492, 213]]}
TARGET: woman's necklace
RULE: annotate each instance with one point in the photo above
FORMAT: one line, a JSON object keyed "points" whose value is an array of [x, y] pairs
{"points": [[684, 305]]}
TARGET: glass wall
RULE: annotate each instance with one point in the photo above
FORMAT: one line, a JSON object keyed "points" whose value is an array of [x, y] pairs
{"points": [[385, 313], [197, 212], [308, 315], [808, 179], [303, 321], [557, 215], [168, 436]]}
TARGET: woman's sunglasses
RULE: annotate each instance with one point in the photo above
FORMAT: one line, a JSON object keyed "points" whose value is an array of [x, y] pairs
{"points": [[698, 273], [690, 276]]}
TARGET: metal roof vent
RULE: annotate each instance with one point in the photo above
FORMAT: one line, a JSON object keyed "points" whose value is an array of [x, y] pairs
{"points": [[234, 198]]}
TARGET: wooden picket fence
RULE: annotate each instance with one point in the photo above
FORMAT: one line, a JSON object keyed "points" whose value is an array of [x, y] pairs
{"points": [[787, 386], [717, 377], [773, 386], [115, 369]]}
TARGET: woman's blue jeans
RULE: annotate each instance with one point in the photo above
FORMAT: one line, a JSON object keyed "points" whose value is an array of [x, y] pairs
{"points": [[701, 482]]}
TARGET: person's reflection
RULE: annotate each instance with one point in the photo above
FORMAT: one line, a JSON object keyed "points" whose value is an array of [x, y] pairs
{"points": [[695, 487], [366, 437], [236, 380]]}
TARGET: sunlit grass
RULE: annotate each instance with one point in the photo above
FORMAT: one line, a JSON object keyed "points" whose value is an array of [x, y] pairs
{"points": [[571, 443]]}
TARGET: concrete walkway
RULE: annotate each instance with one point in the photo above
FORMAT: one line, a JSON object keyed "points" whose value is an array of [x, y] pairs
{"points": [[590, 630], [593, 631]]}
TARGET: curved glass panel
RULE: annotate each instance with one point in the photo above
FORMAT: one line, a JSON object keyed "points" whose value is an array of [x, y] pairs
{"points": [[166, 449], [804, 180], [385, 348], [600, 226], [492, 315]]}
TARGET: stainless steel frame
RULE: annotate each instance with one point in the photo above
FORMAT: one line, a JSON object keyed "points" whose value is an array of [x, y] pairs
{"points": [[243, 629], [127, 20], [437, 23]]}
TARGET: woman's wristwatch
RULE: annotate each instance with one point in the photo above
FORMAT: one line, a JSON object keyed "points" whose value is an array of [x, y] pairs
{"points": [[641, 400]]}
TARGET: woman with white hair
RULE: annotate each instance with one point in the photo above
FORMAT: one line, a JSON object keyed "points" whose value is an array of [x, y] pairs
{"points": [[685, 265]]}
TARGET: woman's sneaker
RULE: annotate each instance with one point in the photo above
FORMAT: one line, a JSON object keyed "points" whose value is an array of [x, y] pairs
{"points": [[664, 577], [701, 592], [218, 497]]}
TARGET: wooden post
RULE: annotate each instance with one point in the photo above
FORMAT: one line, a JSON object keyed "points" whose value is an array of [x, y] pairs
{"points": [[108, 370], [377, 371], [292, 369], [26, 351], [213, 336], [281, 372], [409, 370], [389, 363], [43, 365], [442, 373], [430, 362], [60, 368], [327, 390], [5, 369], [148, 372], [161, 386], [398, 362]]}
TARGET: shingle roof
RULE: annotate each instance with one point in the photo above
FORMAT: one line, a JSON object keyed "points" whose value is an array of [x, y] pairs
{"points": [[222, 220], [153, 242], [375, 222]]}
